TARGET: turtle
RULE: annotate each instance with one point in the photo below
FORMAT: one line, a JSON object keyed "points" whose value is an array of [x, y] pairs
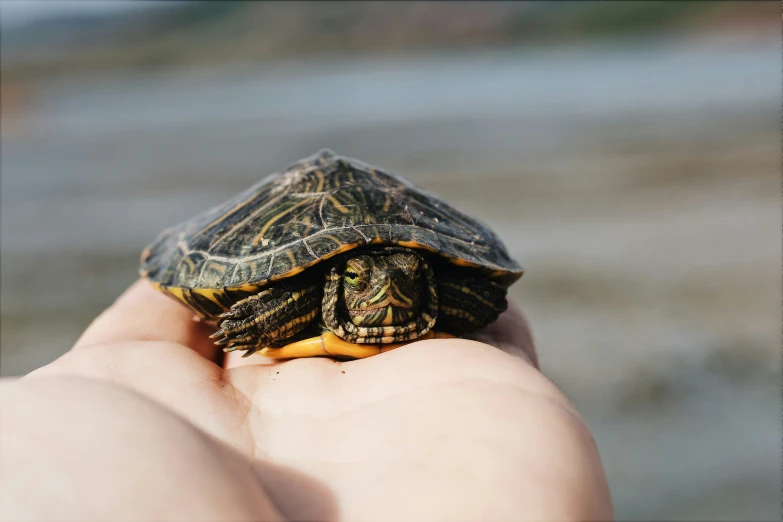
{"points": [[332, 256]]}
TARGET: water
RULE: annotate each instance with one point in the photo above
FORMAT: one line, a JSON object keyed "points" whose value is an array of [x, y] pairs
{"points": [[639, 186], [513, 84]]}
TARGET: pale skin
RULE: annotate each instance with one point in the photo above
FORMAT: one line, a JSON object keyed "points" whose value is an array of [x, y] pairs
{"points": [[138, 422]]}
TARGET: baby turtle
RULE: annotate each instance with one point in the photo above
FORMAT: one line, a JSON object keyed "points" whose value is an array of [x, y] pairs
{"points": [[333, 257]]}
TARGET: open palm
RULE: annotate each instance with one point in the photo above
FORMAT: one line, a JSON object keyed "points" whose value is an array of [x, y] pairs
{"points": [[146, 421]]}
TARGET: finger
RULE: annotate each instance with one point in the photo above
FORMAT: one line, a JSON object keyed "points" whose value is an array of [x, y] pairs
{"points": [[510, 333], [144, 314]]}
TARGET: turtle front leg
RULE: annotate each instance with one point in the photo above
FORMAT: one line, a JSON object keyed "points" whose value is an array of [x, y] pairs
{"points": [[267, 319], [466, 301]]}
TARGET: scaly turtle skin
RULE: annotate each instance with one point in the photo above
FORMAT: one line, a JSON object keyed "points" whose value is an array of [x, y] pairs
{"points": [[335, 250]]}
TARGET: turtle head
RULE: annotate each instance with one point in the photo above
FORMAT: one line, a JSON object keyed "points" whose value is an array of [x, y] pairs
{"points": [[383, 290]]}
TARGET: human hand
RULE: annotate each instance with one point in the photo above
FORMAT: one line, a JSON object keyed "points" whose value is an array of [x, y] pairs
{"points": [[139, 422]]}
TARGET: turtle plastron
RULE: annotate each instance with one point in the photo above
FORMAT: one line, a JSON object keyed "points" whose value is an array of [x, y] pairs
{"points": [[329, 345]]}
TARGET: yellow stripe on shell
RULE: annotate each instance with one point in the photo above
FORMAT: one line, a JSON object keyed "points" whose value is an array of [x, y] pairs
{"points": [[260, 236], [337, 205], [413, 244], [293, 272], [454, 260], [145, 253], [320, 175], [210, 294], [179, 293]]}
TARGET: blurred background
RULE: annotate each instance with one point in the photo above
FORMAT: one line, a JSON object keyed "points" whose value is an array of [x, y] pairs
{"points": [[629, 153]]}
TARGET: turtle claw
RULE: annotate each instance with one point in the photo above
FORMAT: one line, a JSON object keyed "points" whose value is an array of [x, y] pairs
{"points": [[247, 325], [248, 348], [234, 334], [234, 313], [217, 334]]}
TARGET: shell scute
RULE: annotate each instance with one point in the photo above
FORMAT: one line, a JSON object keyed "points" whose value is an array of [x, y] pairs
{"points": [[319, 207]]}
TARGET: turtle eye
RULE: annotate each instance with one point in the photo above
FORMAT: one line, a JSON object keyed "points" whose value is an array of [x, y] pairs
{"points": [[351, 277]]}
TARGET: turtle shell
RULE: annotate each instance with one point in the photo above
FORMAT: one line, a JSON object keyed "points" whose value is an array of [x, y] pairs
{"points": [[317, 208]]}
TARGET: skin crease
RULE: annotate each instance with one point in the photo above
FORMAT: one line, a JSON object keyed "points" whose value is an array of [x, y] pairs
{"points": [[137, 422]]}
